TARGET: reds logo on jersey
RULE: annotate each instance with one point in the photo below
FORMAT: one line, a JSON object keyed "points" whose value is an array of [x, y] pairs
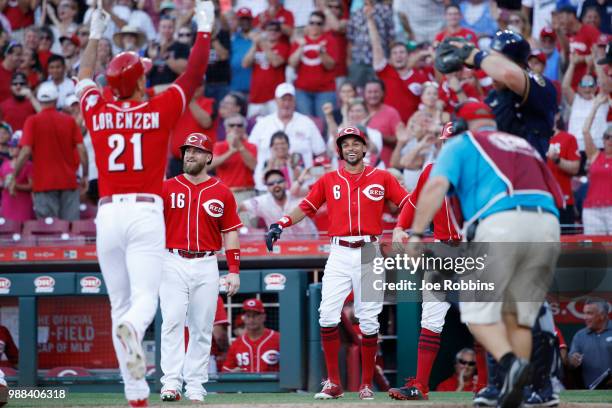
{"points": [[214, 208], [91, 101], [271, 357], [374, 192]]}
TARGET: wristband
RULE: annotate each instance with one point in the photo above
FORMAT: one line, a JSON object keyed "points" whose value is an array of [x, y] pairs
{"points": [[285, 221], [480, 55], [232, 256]]}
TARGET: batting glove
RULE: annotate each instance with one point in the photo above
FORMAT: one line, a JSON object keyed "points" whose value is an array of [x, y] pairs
{"points": [[204, 15], [98, 24], [273, 235]]}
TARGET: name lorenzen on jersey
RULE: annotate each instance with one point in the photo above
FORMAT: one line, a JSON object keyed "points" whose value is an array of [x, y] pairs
{"points": [[126, 120]]}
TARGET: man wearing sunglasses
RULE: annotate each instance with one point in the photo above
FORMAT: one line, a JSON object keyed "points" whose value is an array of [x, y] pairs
{"points": [[234, 159], [278, 201], [464, 377], [20, 104]]}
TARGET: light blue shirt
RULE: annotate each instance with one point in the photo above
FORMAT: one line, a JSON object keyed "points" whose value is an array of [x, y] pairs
{"points": [[241, 77], [553, 63], [486, 24], [474, 181]]}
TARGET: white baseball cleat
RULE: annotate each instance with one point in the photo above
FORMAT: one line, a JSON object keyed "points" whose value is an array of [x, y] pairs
{"points": [[136, 364], [170, 395]]}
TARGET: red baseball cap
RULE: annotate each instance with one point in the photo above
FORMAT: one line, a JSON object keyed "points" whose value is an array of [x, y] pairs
{"points": [[447, 131], [473, 110], [244, 12], [539, 54], [603, 40], [254, 305], [548, 32]]}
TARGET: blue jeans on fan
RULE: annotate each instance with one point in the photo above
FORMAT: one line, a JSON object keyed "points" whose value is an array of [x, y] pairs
{"points": [[310, 103]]}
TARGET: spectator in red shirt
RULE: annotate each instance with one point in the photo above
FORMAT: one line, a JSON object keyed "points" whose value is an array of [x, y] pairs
{"points": [[564, 162], [335, 23], [464, 378], [12, 60], [575, 37], [18, 206], [257, 350], [276, 11], [314, 59], [20, 14], [44, 47], [30, 66], [402, 79], [383, 118], [458, 87], [452, 16], [268, 56], [234, 159], [21, 104], [53, 139]]}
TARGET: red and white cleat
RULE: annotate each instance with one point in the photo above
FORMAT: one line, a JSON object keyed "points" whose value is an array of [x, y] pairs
{"points": [[330, 391], [170, 395], [139, 403], [412, 390], [365, 392]]}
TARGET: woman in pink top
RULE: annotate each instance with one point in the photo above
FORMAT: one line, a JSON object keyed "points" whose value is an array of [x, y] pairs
{"points": [[18, 207], [597, 208]]}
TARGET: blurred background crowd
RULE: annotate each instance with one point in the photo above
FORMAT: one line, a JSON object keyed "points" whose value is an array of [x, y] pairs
{"points": [[283, 77]]}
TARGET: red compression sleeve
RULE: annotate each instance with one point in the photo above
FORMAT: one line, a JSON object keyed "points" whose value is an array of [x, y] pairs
{"points": [[196, 66], [232, 256]]}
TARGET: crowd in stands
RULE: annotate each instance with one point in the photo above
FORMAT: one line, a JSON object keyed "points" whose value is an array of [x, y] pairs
{"points": [[283, 76]]}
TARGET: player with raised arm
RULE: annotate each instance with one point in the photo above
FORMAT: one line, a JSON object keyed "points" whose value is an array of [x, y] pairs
{"points": [[355, 195], [130, 139]]}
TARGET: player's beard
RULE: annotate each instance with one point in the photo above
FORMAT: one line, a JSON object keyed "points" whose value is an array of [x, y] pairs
{"points": [[193, 168], [358, 158]]}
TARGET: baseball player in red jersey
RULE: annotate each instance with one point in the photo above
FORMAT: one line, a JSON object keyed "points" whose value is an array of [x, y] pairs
{"points": [[355, 195], [201, 216], [434, 312], [130, 139], [257, 350]]}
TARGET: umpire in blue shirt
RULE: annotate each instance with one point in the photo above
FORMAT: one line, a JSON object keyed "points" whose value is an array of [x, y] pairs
{"points": [[506, 190], [524, 103]]}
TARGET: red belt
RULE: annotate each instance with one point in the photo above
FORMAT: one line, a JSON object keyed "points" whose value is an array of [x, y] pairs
{"points": [[355, 244], [138, 199], [190, 254]]}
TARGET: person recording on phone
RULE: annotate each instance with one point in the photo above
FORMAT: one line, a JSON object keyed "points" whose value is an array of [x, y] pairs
{"points": [[304, 136]]}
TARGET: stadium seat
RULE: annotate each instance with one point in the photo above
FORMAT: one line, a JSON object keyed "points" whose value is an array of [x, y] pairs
{"points": [[10, 234], [87, 211], [86, 228], [68, 371], [51, 232]]}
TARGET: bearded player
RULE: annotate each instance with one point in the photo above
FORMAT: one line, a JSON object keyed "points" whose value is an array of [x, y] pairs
{"points": [[355, 195], [434, 312], [200, 214], [130, 139]]}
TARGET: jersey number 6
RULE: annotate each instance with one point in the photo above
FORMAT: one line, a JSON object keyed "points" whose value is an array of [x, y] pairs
{"points": [[117, 143], [336, 190]]}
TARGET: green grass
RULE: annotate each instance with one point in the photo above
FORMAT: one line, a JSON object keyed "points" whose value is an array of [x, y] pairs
{"points": [[76, 399]]}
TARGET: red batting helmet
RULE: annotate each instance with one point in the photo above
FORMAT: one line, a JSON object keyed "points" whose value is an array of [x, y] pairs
{"points": [[123, 73], [447, 131], [199, 140], [349, 131]]}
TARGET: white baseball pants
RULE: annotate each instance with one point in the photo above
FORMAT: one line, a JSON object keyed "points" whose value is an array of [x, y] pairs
{"points": [[433, 315], [188, 294], [130, 241], [343, 272]]}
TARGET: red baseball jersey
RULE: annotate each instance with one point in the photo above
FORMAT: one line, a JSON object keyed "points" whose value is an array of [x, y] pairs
{"points": [[197, 214], [312, 76], [265, 77], [254, 356], [355, 202], [403, 93], [568, 150], [130, 139], [444, 229]]}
